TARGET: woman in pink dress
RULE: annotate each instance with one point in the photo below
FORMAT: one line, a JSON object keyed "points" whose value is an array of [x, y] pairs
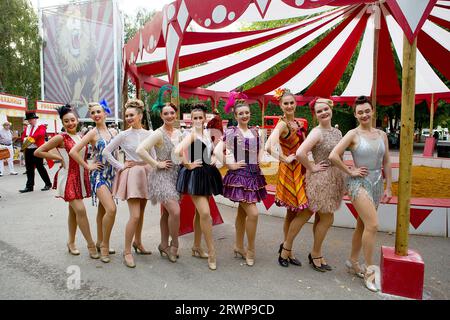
{"points": [[71, 181]]}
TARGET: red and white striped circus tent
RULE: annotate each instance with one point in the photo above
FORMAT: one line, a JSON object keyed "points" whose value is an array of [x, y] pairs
{"points": [[213, 62]]}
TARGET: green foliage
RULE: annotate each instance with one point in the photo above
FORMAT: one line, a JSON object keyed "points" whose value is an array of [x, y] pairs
{"points": [[19, 50], [442, 115], [135, 22]]}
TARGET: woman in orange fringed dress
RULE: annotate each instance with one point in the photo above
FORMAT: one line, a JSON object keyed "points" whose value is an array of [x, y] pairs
{"points": [[290, 192]]}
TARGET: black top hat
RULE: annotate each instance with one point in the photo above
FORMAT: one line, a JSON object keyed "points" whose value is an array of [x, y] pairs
{"points": [[31, 115]]}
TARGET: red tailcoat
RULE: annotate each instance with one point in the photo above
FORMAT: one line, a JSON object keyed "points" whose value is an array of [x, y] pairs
{"points": [[38, 134]]}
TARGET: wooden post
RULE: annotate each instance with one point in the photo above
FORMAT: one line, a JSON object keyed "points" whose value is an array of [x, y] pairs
{"points": [[138, 90], [406, 146], [263, 111], [432, 115], [376, 40], [124, 97], [176, 100]]}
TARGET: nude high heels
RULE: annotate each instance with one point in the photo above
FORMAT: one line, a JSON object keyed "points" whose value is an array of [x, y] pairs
{"points": [[199, 252], [250, 257], [212, 261], [353, 267], [239, 252], [74, 251]]}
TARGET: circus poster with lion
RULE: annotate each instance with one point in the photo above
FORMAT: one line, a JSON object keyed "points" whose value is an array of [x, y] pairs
{"points": [[79, 54]]}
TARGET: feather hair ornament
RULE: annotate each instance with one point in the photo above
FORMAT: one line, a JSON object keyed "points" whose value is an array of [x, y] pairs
{"points": [[159, 103], [234, 95], [105, 106]]}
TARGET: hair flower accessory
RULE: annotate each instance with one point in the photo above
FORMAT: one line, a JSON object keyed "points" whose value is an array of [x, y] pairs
{"points": [[279, 93], [105, 106]]}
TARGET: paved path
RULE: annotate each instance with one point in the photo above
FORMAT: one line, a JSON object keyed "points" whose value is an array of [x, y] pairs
{"points": [[34, 260]]}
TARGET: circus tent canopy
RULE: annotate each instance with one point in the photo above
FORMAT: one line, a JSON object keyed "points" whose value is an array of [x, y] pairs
{"points": [[222, 61]]}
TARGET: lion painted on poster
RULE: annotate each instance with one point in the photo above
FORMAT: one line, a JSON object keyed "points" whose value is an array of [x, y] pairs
{"points": [[77, 56]]}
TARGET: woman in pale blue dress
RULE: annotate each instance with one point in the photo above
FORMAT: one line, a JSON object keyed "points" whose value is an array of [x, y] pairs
{"points": [[370, 152], [101, 176]]}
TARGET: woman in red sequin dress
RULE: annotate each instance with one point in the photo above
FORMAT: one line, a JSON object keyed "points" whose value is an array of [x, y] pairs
{"points": [[71, 181]]}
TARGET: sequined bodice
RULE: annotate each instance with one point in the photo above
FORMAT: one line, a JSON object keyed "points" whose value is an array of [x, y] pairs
{"points": [[369, 153], [99, 146], [164, 152], [330, 138], [243, 148]]}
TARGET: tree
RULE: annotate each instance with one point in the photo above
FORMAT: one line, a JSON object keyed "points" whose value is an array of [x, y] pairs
{"points": [[19, 50]]}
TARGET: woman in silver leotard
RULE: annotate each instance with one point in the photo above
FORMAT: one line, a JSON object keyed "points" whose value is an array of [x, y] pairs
{"points": [[370, 153]]}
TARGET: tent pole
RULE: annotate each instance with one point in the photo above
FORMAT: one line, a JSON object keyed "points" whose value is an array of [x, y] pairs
{"points": [[124, 95], [263, 111], [376, 40], [406, 146], [175, 83], [432, 115]]}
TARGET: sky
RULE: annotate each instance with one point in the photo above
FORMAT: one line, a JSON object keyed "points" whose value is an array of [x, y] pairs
{"points": [[127, 6], [130, 7]]}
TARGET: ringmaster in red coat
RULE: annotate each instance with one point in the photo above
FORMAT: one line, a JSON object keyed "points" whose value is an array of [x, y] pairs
{"points": [[33, 137]]}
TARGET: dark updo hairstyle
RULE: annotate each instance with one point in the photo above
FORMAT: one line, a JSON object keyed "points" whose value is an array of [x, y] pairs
{"points": [[362, 100], [63, 110], [198, 107]]}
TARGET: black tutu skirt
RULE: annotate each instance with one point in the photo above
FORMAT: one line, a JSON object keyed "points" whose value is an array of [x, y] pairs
{"points": [[202, 181]]}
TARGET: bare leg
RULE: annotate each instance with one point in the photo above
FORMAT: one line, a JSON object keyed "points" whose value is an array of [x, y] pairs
{"points": [[173, 209], [202, 205], [130, 230], [250, 227], [240, 228], [287, 222], [109, 216], [140, 225], [197, 230], [357, 240], [251, 224], [100, 214], [164, 227], [323, 225], [296, 225], [316, 221], [368, 214], [72, 223], [83, 223]]}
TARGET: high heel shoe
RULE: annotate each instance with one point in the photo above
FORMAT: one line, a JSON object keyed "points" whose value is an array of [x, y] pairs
{"points": [[129, 264], [199, 252], [74, 252], [172, 257], [212, 261], [370, 278], [139, 249], [315, 267], [93, 252], [239, 252], [353, 267], [294, 261], [250, 257], [325, 266], [162, 251], [104, 257], [111, 250], [283, 262]]}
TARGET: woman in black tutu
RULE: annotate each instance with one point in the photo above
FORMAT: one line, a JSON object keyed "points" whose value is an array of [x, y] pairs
{"points": [[199, 177]]}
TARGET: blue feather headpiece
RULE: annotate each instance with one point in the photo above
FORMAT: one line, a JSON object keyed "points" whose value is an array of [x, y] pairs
{"points": [[105, 106], [159, 103]]}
